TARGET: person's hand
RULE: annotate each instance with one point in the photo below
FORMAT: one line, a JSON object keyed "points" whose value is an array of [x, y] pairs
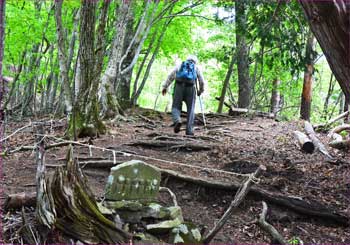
{"points": [[164, 91], [199, 92]]}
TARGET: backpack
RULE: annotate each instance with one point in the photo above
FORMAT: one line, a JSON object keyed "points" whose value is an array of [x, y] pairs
{"points": [[187, 72]]}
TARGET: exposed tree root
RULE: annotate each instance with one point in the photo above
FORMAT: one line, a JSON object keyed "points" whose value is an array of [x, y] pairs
{"points": [[277, 238], [173, 145]]}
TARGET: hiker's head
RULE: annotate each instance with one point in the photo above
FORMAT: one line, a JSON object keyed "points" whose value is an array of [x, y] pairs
{"points": [[193, 58]]}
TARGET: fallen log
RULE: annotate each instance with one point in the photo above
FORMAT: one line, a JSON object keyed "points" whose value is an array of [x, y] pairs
{"points": [[333, 120], [340, 144], [307, 208], [304, 142], [277, 238], [242, 111], [172, 144], [319, 145]]}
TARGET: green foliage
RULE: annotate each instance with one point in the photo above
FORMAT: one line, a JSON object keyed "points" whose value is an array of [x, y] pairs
{"points": [[276, 42]]}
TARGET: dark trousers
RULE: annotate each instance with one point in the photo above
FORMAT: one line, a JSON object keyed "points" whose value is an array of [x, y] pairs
{"points": [[187, 93]]}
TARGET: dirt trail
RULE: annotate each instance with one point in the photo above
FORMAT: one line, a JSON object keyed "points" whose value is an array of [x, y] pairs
{"points": [[235, 144]]}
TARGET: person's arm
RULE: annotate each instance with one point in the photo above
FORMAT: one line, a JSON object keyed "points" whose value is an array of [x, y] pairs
{"points": [[171, 77], [201, 80]]}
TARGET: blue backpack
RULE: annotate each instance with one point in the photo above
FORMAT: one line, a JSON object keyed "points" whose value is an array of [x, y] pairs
{"points": [[187, 72]]}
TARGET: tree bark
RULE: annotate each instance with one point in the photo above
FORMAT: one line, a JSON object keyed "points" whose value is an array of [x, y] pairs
{"points": [[63, 58], [330, 23], [107, 97], [150, 63], [275, 97], [86, 112], [226, 81], [305, 107], [244, 86]]}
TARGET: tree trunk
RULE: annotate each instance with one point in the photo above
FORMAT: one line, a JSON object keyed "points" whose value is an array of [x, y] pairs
{"points": [[132, 49], [86, 120], [107, 96], [244, 91], [123, 81], [2, 85], [150, 63], [226, 82], [275, 97], [330, 23], [63, 59], [305, 107]]}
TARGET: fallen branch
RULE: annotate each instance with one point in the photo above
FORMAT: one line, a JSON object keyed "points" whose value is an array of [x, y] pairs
{"points": [[331, 121], [339, 129], [340, 144], [239, 197], [47, 147], [304, 142], [242, 111], [16, 131], [276, 236], [319, 145]]}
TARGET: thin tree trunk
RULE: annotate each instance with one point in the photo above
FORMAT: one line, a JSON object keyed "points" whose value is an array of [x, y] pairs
{"points": [[14, 85], [275, 96], [132, 54], [63, 58], [2, 85], [326, 102], [100, 39], [244, 86], [305, 107], [150, 63], [226, 82]]}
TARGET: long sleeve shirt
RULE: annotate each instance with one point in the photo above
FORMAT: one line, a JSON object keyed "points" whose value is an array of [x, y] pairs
{"points": [[172, 76]]}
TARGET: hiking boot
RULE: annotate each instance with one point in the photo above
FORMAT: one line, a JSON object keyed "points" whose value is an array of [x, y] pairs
{"points": [[177, 127]]}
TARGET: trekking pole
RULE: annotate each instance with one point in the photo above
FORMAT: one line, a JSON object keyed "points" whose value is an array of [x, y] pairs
{"points": [[201, 106]]}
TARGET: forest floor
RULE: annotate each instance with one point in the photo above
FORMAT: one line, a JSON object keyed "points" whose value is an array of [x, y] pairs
{"points": [[235, 145]]}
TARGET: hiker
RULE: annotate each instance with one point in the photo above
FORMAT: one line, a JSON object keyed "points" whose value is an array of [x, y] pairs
{"points": [[185, 75]]}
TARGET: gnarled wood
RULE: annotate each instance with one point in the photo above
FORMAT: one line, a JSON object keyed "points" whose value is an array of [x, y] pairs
{"points": [[276, 236], [78, 216]]}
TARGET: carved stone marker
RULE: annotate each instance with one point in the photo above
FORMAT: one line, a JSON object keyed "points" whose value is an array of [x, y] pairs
{"points": [[133, 180]]}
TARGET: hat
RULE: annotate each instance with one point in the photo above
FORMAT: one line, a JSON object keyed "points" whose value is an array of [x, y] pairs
{"points": [[193, 58]]}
